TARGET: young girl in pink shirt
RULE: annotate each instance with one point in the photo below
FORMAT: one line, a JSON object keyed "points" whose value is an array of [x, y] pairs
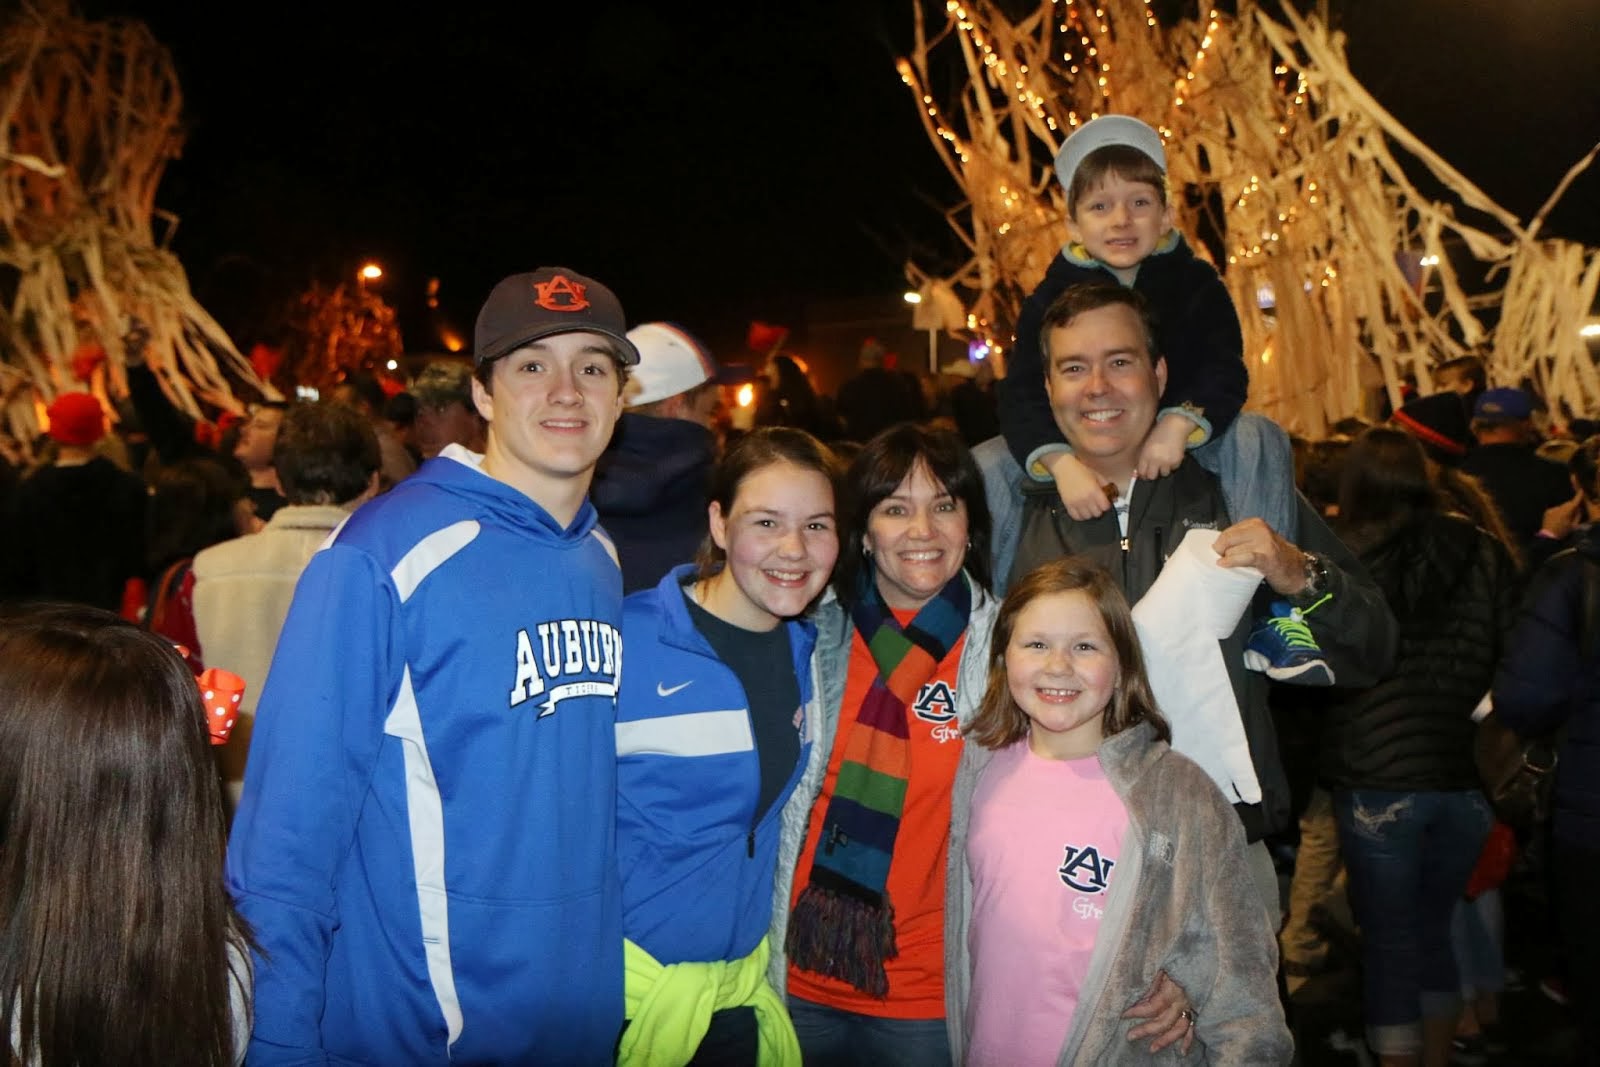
{"points": [[1086, 856]]}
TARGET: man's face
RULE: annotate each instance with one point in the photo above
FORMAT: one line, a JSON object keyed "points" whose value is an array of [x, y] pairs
{"points": [[702, 404], [1455, 381], [257, 437], [1103, 389], [551, 413], [1121, 223], [438, 425]]}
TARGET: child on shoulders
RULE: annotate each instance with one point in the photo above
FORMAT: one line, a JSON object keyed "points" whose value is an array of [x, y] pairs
{"points": [[1120, 226]]}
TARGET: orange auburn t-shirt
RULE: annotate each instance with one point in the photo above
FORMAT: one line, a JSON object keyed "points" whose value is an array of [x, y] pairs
{"points": [[917, 869]]}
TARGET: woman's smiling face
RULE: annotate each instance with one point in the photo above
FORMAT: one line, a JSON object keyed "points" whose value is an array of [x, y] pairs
{"points": [[917, 539]]}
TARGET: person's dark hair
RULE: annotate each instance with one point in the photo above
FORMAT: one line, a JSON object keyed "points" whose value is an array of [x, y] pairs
{"points": [[1123, 161], [401, 409], [325, 454], [1466, 495], [191, 507], [791, 401], [1469, 367], [877, 471], [1091, 296], [1324, 464], [1385, 484], [755, 450], [366, 387], [1584, 466], [118, 941], [1388, 482], [1001, 722], [443, 381]]}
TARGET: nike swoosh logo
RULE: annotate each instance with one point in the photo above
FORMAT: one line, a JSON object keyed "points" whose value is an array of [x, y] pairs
{"points": [[663, 691]]}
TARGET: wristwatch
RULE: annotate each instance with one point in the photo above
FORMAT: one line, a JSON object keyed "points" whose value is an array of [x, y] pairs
{"points": [[1316, 576]]}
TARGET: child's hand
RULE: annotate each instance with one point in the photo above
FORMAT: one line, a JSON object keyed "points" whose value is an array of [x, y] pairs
{"points": [[1163, 450], [1167, 1013], [1078, 486]]}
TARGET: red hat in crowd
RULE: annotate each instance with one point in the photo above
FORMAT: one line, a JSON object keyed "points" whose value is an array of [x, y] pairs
{"points": [[76, 419]]}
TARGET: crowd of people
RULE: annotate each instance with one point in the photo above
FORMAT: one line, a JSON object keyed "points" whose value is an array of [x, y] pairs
{"points": [[936, 740]]}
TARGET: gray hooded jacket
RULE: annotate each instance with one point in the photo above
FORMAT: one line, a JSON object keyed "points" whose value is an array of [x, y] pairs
{"points": [[1182, 902]]}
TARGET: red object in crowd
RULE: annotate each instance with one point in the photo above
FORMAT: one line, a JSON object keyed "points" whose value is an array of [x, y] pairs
{"points": [[266, 359], [209, 434], [135, 598], [765, 338], [222, 692], [85, 358], [1494, 862]]}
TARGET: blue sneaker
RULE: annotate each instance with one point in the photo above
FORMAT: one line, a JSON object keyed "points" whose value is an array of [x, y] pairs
{"points": [[1283, 648]]}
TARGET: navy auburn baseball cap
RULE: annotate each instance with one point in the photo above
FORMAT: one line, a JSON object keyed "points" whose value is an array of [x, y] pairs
{"points": [[551, 300]]}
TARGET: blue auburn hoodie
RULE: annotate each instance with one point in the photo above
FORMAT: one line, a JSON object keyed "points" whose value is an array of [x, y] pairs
{"points": [[425, 847]]}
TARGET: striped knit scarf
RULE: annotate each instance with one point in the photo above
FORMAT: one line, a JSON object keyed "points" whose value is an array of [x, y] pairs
{"points": [[843, 922]]}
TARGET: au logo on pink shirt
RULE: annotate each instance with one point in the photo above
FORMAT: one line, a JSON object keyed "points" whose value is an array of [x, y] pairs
{"points": [[1085, 870]]}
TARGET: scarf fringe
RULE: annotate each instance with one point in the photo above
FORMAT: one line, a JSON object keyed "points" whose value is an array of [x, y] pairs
{"points": [[840, 935]]}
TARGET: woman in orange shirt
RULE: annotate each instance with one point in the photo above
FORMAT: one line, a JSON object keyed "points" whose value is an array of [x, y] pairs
{"points": [[902, 652]]}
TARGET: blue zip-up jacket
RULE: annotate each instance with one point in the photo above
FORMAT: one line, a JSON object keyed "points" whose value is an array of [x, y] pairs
{"points": [[697, 867], [1550, 678], [425, 846]]}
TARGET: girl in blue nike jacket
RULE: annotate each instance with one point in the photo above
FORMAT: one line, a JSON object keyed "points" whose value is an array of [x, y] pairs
{"points": [[713, 735]]}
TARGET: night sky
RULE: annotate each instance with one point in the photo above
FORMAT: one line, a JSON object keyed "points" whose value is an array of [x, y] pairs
{"points": [[712, 163]]}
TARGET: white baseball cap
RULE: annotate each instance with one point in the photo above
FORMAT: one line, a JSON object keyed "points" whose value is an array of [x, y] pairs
{"points": [[671, 361], [1103, 131]]}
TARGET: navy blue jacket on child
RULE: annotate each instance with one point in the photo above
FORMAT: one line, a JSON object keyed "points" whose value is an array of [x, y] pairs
{"points": [[1197, 333]]}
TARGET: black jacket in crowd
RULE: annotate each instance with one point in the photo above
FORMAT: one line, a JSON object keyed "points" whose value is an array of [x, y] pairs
{"points": [[1522, 483], [650, 491], [1453, 588]]}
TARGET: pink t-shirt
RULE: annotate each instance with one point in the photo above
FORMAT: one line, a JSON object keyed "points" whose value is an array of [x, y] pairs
{"points": [[1044, 839]]}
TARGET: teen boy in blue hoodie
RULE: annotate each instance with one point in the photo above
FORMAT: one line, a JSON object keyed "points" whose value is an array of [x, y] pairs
{"points": [[425, 847]]}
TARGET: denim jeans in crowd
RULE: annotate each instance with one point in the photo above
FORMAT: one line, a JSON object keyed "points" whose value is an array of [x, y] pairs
{"points": [[1478, 936], [830, 1037], [1409, 855]]}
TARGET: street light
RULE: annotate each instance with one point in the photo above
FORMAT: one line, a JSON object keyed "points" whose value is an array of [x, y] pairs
{"points": [[913, 298], [369, 272]]}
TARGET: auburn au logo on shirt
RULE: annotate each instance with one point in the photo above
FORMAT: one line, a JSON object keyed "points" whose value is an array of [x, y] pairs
{"points": [[1085, 870], [936, 704], [578, 657]]}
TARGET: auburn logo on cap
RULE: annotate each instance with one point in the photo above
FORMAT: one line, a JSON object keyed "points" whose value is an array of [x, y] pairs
{"points": [[560, 294]]}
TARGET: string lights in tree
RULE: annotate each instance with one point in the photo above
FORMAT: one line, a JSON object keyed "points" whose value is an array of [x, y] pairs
{"points": [[1344, 274], [90, 113]]}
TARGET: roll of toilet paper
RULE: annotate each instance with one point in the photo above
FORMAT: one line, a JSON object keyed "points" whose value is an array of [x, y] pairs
{"points": [[1192, 605]]}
